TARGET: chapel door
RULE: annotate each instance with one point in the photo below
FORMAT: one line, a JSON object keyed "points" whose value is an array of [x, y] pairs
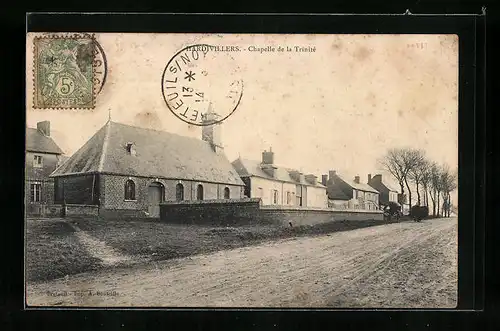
{"points": [[155, 196]]}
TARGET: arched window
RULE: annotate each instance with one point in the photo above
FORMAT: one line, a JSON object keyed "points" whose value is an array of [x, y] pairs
{"points": [[179, 192], [129, 190], [226, 193], [199, 192]]}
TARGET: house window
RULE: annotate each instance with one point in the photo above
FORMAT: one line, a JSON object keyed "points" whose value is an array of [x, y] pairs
{"points": [[298, 195], [275, 196], [199, 192], [226, 193], [36, 192], [38, 161], [260, 192], [129, 190], [179, 192], [288, 198]]}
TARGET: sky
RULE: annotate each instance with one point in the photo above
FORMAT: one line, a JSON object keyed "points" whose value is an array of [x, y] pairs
{"points": [[337, 108]]}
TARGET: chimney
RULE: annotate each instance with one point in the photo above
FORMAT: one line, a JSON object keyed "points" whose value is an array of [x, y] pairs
{"points": [[369, 178], [324, 179], [356, 179], [268, 157], [332, 173], [44, 128], [267, 163], [211, 131]]}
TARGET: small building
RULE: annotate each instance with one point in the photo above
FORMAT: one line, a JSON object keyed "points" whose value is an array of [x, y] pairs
{"points": [[128, 171], [387, 192], [280, 186], [350, 194], [43, 156]]}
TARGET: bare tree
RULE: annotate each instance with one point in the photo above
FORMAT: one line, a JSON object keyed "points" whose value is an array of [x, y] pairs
{"points": [[393, 163], [434, 181], [425, 179], [412, 158], [409, 165], [417, 170], [448, 185], [443, 182]]}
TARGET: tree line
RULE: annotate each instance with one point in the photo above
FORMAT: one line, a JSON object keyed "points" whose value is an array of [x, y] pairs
{"points": [[431, 180]]}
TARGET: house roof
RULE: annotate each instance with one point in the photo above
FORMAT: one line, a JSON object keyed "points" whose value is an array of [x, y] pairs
{"points": [[336, 193], [390, 187], [63, 158], [378, 183], [359, 186], [158, 154], [362, 186], [248, 168], [38, 142]]}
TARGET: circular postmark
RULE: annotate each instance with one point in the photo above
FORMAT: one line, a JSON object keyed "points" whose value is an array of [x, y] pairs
{"points": [[200, 80], [100, 65]]}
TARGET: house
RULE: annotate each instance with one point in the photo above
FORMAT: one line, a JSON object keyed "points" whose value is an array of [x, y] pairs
{"points": [[336, 197], [128, 171], [43, 156], [350, 194], [387, 192], [280, 186]]}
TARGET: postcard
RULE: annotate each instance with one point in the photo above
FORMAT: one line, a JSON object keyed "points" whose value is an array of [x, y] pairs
{"points": [[241, 170]]}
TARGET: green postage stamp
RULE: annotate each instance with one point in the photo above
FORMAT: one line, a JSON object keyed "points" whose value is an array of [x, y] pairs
{"points": [[64, 71]]}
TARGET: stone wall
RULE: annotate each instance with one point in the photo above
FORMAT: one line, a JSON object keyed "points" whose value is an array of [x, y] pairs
{"points": [[113, 191], [69, 210], [313, 216], [250, 211], [81, 210], [44, 210], [122, 214], [213, 212]]}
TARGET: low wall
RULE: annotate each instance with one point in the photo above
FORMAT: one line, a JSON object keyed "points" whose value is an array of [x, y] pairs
{"points": [[80, 210], [44, 210], [121, 214], [213, 212], [249, 211], [313, 217], [68, 210]]}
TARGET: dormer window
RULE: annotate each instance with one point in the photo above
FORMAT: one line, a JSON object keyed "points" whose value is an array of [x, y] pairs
{"points": [[131, 148]]}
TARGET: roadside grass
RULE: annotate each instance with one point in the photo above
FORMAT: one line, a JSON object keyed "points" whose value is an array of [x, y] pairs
{"points": [[53, 251], [163, 241]]}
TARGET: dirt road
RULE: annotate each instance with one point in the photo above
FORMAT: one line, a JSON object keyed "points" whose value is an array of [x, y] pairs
{"points": [[407, 264]]}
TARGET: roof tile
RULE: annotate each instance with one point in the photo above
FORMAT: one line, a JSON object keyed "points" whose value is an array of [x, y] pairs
{"points": [[158, 154], [37, 142], [246, 168]]}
